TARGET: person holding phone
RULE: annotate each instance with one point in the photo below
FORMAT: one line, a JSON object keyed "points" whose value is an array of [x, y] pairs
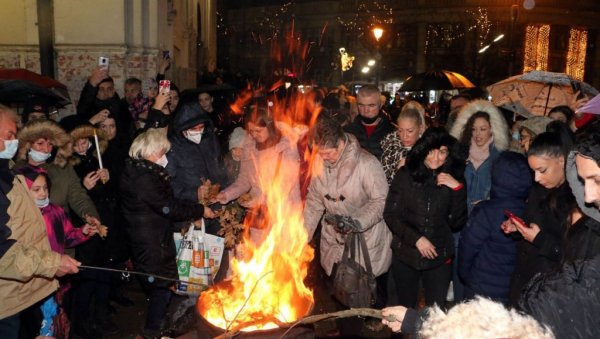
{"points": [[98, 100], [550, 207]]}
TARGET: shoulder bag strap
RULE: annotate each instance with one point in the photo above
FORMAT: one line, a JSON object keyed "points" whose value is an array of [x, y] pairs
{"points": [[363, 245]]}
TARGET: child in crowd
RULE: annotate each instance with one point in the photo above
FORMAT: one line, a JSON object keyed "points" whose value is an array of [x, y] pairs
{"points": [[61, 234]]}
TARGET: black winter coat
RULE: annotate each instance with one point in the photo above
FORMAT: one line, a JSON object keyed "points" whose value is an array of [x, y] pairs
{"points": [[370, 143], [413, 210], [189, 163], [547, 248], [150, 208], [487, 256], [97, 251], [567, 300]]}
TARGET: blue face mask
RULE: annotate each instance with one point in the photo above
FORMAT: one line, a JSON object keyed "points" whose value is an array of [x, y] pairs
{"points": [[516, 136], [10, 149], [41, 203], [38, 156]]}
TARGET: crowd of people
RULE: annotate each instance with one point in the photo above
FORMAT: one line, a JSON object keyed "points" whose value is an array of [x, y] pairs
{"points": [[480, 205]]}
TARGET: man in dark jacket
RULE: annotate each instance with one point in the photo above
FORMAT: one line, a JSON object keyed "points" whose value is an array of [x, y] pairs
{"points": [[195, 153], [99, 99], [371, 125], [487, 257]]}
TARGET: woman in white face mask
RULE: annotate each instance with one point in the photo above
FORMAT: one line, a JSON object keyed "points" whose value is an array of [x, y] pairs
{"points": [[44, 144], [150, 208]]}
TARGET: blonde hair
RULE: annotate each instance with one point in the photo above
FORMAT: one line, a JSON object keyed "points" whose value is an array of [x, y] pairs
{"points": [[481, 318], [413, 110], [148, 143]]}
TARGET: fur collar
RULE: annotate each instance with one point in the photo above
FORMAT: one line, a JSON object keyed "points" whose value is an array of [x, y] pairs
{"points": [[87, 131], [497, 120], [50, 130]]}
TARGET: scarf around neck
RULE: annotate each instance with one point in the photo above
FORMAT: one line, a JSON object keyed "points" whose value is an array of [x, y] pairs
{"points": [[478, 154]]}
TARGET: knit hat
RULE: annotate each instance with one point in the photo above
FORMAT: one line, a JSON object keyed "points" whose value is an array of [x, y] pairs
{"points": [[236, 139], [536, 125]]}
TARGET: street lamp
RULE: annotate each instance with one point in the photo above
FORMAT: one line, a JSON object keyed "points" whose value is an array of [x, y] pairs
{"points": [[371, 63], [378, 33]]}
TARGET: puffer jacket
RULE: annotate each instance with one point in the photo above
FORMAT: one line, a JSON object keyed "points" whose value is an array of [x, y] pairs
{"points": [[359, 178], [189, 163], [416, 206], [28, 266], [487, 256], [150, 208]]}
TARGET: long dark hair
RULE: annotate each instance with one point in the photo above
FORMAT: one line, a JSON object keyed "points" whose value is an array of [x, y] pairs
{"points": [[550, 144], [560, 201], [435, 138], [467, 134]]}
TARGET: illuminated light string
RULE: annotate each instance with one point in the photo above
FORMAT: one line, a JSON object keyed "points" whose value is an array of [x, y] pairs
{"points": [[444, 34], [576, 53], [537, 39], [367, 15]]}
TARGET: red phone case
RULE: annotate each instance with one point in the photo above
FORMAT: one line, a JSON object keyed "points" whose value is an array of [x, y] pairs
{"points": [[511, 215]]}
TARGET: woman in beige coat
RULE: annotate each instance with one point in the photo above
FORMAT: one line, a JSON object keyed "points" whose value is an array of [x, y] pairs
{"points": [[351, 184]]}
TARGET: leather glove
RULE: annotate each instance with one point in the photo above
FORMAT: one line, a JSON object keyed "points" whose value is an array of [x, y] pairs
{"points": [[343, 224]]}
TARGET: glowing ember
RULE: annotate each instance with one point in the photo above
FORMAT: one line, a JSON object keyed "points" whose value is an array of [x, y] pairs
{"points": [[267, 287]]}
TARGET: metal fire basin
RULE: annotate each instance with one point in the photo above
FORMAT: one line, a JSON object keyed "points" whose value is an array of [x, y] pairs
{"points": [[206, 330]]}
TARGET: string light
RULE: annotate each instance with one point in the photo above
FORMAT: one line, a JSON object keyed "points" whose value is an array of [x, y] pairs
{"points": [[367, 15], [537, 39], [444, 34], [576, 53]]}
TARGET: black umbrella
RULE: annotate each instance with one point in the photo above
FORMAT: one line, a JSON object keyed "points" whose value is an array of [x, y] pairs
{"points": [[21, 91], [436, 80]]}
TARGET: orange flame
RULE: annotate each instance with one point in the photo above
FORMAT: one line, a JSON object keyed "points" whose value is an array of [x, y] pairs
{"points": [[267, 286]]}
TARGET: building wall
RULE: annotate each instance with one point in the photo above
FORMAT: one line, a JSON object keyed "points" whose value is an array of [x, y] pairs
{"points": [[131, 33]]}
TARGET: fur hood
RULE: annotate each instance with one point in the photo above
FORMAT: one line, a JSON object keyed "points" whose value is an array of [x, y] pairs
{"points": [[499, 125], [87, 131], [36, 129]]}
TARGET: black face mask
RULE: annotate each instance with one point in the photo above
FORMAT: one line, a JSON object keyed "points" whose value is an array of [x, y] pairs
{"points": [[369, 121]]}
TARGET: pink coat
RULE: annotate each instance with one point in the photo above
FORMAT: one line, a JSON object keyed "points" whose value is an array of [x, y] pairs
{"points": [[359, 177]]}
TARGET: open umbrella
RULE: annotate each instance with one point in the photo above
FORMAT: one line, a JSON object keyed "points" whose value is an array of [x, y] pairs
{"points": [[19, 91], [31, 82], [537, 92], [436, 80], [592, 106]]}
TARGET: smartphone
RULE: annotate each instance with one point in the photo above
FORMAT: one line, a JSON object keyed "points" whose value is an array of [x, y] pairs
{"points": [[166, 54], [103, 61], [514, 217], [164, 86]]}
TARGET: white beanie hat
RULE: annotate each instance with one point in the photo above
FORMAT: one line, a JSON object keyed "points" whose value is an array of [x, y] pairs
{"points": [[236, 139]]}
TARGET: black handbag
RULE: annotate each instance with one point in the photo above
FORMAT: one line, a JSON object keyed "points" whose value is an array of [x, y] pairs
{"points": [[353, 285]]}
